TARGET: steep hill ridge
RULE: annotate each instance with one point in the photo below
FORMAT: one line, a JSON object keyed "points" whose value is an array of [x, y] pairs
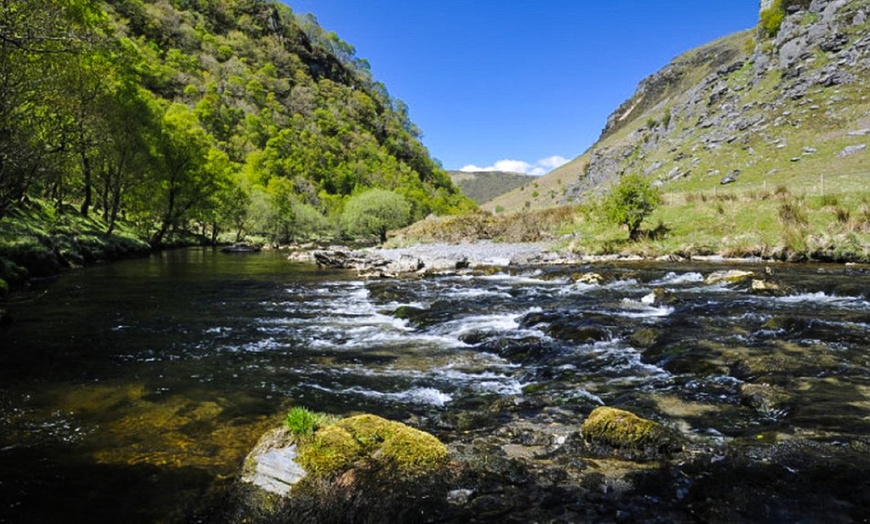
{"points": [[747, 109]]}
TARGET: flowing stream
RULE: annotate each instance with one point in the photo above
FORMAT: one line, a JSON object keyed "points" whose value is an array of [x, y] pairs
{"points": [[132, 391]]}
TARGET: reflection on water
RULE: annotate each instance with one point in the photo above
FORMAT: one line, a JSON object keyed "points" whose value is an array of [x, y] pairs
{"points": [[156, 376]]}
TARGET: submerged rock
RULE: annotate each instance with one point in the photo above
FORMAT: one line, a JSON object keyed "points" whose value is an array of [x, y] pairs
{"points": [[613, 431]]}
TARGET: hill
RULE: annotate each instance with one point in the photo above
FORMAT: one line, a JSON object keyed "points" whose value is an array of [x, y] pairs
{"points": [[757, 141], [218, 118], [773, 107], [483, 186]]}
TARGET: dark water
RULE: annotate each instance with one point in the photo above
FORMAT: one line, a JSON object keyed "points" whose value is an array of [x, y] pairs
{"points": [[132, 391]]}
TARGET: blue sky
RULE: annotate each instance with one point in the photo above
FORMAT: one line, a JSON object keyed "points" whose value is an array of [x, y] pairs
{"points": [[520, 84]]}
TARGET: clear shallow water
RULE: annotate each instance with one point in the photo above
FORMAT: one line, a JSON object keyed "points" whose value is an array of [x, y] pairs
{"points": [[133, 391]]}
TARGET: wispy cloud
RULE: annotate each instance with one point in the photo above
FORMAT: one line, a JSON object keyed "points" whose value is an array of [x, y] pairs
{"points": [[539, 168]]}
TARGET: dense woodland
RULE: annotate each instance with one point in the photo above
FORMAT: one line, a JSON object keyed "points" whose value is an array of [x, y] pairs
{"points": [[227, 117]]}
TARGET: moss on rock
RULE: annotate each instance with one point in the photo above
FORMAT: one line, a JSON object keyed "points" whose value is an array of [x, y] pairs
{"points": [[614, 431], [375, 441]]}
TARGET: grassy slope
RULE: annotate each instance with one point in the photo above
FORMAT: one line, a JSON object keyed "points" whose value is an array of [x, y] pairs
{"points": [[36, 241], [790, 159]]}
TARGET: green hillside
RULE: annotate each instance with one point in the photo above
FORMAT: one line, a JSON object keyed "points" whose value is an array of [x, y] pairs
{"points": [[483, 186], [733, 132], [222, 118]]}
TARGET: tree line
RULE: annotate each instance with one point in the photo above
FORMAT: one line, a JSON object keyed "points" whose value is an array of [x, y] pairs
{"points": [[228, 117]]}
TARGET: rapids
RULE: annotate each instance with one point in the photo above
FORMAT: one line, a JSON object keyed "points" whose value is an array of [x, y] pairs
{"points": [[132, 391]]}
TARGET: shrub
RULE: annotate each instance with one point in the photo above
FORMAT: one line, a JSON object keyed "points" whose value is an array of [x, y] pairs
{"points": [[772, 17], [375, 212], [630, 201]]}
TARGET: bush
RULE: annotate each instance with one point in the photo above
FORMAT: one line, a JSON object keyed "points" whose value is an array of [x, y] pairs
{"points": [[375, 212], [772, 17], [630, 201]]}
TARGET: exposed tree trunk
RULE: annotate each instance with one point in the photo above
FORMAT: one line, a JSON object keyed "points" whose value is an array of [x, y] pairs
{"points": [[86, 171]]}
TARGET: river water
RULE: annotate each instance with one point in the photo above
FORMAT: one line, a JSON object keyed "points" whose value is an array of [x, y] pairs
{"points": [[132, 391]]}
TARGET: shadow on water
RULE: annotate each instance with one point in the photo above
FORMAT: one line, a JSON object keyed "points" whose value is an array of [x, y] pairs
{"points": [[59, 484]]}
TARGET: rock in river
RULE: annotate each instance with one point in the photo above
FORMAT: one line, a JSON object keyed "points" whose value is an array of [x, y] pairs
{"points": [[612, 431], [362, 465]]}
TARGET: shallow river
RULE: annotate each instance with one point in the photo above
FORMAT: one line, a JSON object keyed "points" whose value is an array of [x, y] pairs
{"points": [[132, 391]]}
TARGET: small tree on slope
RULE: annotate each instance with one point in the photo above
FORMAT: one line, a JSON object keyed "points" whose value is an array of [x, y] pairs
{"points": [[630, 201]]}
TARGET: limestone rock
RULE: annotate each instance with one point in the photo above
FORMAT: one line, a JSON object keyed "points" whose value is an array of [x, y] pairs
{"points": [[362, 466], [730, 177], [851, 150], [592, 279], [768, 287]]}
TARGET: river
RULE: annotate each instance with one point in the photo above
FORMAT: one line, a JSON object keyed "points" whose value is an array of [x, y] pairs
{"points": [[132, 391]]}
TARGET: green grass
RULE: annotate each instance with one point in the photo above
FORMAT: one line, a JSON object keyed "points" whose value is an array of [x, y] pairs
{"points": [[37, 240], [740, 224], [303, 422]]}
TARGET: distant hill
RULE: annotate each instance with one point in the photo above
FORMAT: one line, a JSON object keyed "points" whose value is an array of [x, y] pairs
{"points": [[769, 107], [483, 186]]}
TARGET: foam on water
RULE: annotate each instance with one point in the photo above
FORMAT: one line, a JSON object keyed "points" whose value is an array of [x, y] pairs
{"points": [[675, 279], [642, 309], [426, 396], [823, 298]]}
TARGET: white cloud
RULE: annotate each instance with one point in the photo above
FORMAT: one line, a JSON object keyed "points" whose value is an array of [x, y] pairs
{"points": [[553, 162], [540, 168]]}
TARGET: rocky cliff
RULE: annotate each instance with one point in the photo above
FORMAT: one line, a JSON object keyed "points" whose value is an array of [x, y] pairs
{"points": [[749, 110]]}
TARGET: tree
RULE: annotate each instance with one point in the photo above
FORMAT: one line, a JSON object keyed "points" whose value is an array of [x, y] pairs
{"points": [[375, 212], [188, 171], [630, 201], [37, 40]]}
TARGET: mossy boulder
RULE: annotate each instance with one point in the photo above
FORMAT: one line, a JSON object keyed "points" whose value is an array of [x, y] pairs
{"points": [[615, 432], [374, 441], [356, 466]]}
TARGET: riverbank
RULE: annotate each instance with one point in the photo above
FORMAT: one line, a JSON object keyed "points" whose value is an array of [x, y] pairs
{"points": [[39, 241], [779, 223], [440, 257]]}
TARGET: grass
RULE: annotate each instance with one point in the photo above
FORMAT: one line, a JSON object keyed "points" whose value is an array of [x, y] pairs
{"points": [[770, 224], [303, 422], [37, 240]]}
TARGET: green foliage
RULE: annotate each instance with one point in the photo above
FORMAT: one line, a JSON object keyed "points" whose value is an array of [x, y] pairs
{"points": [[772, 17], [375, 212], [630, 201], [206, 116], [302, 422]]}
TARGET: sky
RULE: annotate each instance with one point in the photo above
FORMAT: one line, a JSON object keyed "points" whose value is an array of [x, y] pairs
{"points": [[520, 85]]}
